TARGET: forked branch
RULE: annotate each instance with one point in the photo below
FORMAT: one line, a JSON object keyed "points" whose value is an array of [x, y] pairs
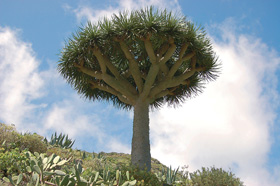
{"points": [[150, 50], [133, 66], [110, 90], [103, 60], [95, 74]]}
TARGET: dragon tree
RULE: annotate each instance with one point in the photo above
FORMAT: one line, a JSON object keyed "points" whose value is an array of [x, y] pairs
{"points": [[139, 60]]}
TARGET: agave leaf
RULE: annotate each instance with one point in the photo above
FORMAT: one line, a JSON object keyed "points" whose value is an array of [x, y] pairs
{"points": [[79, 168], [61, 138], [96, 176], [70, 146]]}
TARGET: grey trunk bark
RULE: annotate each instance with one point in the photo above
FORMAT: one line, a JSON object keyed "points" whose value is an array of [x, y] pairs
{"points": [[140, 151]]}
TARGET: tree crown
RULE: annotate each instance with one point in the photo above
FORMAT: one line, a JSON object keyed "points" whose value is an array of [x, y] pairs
{"points": [[149, 54]]}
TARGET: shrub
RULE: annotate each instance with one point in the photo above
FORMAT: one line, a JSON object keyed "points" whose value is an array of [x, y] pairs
{"points": [[143, 177], [214, 176], [12, 162], [9, 137], [33, 143]]}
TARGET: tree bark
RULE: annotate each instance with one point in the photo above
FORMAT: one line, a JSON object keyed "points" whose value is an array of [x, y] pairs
{"points": [[140, 151]]}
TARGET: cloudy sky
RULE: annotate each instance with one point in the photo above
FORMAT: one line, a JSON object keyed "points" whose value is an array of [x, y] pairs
{"points": [[233, 124]]}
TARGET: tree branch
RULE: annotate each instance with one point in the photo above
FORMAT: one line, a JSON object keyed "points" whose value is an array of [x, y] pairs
{"points": [[126, 74], [150, 50], [160, 87], [169, 52], [112, 91], [178, 63], [183, 50], [174, 81], [164, 69], [119, 86], [180, 79], [100, 59], [164, 93], [104, 60], [162, 50], [150, 79], [95, 74], [133, 66]]}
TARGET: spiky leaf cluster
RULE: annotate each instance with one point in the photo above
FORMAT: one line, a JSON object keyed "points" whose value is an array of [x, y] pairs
{"points": [[144, 54]]}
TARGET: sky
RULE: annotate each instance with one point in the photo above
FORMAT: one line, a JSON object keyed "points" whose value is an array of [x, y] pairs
{"points": [[233, 124]]}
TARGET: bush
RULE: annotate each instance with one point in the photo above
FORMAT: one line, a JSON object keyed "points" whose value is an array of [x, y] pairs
{"points": [[142, 176], [33, 143], [214, 176], [11, 139], [12, 162]]}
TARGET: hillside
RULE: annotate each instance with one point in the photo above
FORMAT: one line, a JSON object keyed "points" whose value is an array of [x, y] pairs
{"points": [[30, 159]]}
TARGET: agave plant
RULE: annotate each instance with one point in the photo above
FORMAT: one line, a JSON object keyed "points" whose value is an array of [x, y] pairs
{"points": [[62, 141], [167, 176]]}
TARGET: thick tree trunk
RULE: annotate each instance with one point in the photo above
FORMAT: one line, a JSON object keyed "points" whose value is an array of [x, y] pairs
{"points": [[140, 151]]}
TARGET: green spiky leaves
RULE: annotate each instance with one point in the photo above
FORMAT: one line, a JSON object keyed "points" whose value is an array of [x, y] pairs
{"points": [[145, 54]]}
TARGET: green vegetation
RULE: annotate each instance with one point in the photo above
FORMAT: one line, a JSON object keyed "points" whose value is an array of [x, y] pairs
{"points": [[21, 165], [61, 141]]}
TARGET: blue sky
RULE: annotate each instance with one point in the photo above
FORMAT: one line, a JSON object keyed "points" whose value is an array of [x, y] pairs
{"points": [[233, 124]]}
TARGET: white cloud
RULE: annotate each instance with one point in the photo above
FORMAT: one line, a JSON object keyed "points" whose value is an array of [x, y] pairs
{"points": [[20, 81], [67, 116], [94, 14], [227, 125], [115, 145]]}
